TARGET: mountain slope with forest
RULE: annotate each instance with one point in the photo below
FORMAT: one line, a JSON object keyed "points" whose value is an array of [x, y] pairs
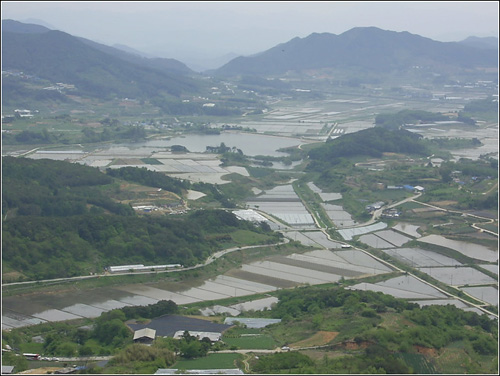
{"points": [[58, 221], [362, 48], [94, 69]]}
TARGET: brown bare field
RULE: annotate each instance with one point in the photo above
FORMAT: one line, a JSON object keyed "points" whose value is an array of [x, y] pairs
{"points": [[318, 339]]}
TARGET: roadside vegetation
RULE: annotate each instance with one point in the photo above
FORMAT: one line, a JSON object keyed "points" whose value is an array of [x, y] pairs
{"points": [[356, 331]]}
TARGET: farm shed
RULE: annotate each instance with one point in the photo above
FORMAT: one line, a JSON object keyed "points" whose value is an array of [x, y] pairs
{"points": [[167, 325], [144, 335]]}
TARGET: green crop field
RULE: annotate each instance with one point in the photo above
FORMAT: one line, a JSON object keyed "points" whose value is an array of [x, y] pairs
{"points": [[259, 341], [218, 361]]}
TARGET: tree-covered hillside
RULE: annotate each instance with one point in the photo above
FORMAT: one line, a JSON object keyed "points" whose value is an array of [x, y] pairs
{"points": [[60, 57], [370, 142], [59, 222]]}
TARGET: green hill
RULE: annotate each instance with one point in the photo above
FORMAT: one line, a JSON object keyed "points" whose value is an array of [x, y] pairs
{"points": [[372, 142], [59, 222], [60, 57], [366, 49]]}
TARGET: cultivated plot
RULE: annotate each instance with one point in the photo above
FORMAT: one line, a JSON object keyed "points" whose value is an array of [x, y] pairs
{"points": [[458, 276], [374, 241], [288, 273], [487, 294], [408, 229], [158, 294], [490, 267], [15, 320], [301, 237], [393, 237], [138, 300], [416, 257], [338, 215], [475, 251], [404, 287], [349, 233], [252, 286], [56, 315], [321, 238], [282, 202], [325, 196], [84, 310], [355, 261]]}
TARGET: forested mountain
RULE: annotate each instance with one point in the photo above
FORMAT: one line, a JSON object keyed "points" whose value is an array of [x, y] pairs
{"points": [[94, 69], [58, 222], [362, 48]]}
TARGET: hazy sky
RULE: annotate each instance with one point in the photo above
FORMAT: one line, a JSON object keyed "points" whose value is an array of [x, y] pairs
{"points": [[210, 29]]}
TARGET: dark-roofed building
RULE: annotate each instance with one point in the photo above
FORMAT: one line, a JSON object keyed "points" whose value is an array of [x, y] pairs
{"points": [[167, 325]]}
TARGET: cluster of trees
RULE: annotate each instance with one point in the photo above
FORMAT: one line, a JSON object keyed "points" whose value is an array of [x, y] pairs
{"points": [[373, 360], [372, 142], [31, 137], [160, 308], [115, 132], [300, 302], [481, 168], [43, 137], [178, 107], [89, 243], [55, 188], [482, 106], [51, 232], [358, 315], [395, 121]]}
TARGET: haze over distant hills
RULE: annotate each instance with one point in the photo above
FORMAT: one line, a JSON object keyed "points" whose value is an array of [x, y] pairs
{"points": [[101, 71], [365, 49], [95, 68]]}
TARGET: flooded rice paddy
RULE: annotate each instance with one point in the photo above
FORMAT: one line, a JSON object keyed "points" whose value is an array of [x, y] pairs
{"points": [[475, 251], [315, 267], [315, 121]]}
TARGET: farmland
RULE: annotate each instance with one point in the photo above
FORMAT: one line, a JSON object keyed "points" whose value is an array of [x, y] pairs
{"points": [[248, 280]]}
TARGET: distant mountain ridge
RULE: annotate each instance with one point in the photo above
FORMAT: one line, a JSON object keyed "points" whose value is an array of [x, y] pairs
{"points": [[481, 42], [363, 48], [94, 68]]}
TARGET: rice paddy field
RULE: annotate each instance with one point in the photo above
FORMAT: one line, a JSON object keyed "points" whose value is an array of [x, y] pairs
{"points": [[315, 267], [475, 251]]}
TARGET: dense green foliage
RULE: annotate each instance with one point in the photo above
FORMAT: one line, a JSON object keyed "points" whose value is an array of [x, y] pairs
{"points": [[54, 188], [49, 230], [160, 308], [298, 302], [360, 317], [370, 142], [88, 243], [482, 106], [395, 121]]}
